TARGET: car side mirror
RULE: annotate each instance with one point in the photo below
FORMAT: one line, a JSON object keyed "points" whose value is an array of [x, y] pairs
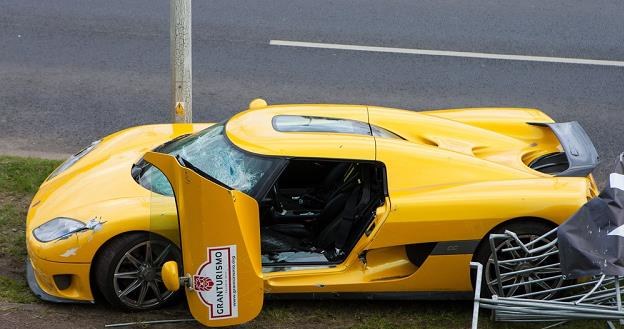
{"points": [[169, 274]]}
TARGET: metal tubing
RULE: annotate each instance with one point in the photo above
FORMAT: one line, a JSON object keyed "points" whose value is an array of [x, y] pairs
{"points": [[558, 289], [495, 260], [533, 281], [618, 297], [516, 260], [591, 291], [477, 294], [531, 269], [599, 298], [554, 306]]}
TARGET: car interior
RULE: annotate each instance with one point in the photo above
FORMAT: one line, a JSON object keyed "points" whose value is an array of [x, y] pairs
{"points": [[317, 210]]}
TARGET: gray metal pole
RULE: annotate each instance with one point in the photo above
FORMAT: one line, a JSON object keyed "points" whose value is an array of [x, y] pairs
{"points": [[181, 60]]}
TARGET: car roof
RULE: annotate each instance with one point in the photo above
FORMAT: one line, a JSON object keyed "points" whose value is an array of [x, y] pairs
{"points": [[253, 131]]}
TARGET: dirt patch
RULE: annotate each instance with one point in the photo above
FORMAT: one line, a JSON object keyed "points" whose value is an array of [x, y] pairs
{"points": [[293, 314], [53, 316]]}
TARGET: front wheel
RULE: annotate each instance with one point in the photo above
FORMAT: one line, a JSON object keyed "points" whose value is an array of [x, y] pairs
{"points": [[127, 273], [536, 283]]}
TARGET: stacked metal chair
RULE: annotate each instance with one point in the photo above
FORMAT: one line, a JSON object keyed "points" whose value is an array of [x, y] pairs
{"points": [[574, 272]]}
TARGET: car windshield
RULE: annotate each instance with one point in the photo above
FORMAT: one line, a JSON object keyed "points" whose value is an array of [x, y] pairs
{"points": [[210, 152]]}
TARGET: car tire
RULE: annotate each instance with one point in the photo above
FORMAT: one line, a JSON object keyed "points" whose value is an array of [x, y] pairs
{"points": [[525, 229], [128, 278]]}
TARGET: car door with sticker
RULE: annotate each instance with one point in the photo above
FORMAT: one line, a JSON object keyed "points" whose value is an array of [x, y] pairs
{"points": [[220, 242]]}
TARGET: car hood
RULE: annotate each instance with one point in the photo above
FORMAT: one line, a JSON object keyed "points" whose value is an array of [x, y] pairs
{"points": [[103, 174]]}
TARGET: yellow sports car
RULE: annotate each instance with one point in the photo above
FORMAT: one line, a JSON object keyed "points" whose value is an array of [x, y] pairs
{"points": [[302, 201]]}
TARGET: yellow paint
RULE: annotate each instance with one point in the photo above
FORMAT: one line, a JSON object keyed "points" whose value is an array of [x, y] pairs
{"points": [[170, 276], [257, 103], [99, 185], [78, 290], [458, 174], [213, 216], [253, 131]]}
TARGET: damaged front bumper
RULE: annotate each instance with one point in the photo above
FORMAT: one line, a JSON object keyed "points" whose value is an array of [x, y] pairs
{"points": [[43, 284]]}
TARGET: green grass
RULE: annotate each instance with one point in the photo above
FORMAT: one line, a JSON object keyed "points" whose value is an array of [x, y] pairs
{"points": [[19, 180], [15, 290], [24, 175], [385, 314], [12, 220]]}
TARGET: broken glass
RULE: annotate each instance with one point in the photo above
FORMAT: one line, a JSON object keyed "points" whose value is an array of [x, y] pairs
{"points": [[210, 152]]}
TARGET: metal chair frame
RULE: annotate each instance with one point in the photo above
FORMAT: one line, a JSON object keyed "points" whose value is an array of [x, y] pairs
{"points": [[598, 297]]}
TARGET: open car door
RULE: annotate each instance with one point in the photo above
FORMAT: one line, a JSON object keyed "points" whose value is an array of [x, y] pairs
{"points": [[220, 242]]}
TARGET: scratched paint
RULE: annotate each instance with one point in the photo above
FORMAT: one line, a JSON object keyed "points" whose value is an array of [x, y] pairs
{"points": [[70, 252]]}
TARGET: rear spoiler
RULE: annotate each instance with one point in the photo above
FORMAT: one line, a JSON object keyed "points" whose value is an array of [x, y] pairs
{"points": [[579, 149]]}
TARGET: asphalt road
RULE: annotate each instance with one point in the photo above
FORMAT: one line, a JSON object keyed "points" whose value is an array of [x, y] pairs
{"points": [[72, 71]]}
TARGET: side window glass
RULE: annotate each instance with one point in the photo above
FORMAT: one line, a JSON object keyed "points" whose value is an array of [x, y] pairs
{"points": [[384, 133], [295, 123]]}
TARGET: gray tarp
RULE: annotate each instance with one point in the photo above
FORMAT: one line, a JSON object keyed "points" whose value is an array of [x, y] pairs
{"points": [[592, 241]]}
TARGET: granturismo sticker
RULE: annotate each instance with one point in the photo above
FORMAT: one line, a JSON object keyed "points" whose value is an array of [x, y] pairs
{"points": [[216, 284]]}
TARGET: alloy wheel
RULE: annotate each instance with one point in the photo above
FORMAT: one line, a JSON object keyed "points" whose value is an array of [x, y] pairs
{"points": [[137, 280]]}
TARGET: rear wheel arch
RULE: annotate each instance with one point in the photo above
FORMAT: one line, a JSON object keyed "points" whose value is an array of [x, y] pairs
{"points": [[542, 226], [512, 222]]}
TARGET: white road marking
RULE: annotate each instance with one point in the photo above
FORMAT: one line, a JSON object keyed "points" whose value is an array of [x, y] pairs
{"points": [[446, 53]]}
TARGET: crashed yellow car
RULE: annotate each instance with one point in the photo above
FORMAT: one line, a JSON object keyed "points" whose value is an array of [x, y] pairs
{"points": [[301, 201]]}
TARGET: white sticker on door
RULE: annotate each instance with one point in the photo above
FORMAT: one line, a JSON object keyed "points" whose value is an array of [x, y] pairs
{"points": [[215, 283]]}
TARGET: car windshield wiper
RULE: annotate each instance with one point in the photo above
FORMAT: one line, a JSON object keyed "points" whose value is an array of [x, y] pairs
{"points": [[185, 162]]}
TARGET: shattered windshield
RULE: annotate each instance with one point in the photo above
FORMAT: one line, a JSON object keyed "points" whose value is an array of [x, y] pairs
{"points": [[210, 152]]}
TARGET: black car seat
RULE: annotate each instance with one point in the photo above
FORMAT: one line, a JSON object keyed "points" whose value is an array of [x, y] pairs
{"points": [[332, 181], [315, 197], [281, 237], [335, 235], [336, 202]]}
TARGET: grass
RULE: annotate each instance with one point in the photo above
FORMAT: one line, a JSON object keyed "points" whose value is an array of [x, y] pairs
{"points": [[12, 231], [20, 178], [384, 314], [15, 290], [23, 176]]}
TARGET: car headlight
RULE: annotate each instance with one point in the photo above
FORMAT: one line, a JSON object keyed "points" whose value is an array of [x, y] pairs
{"points": [[58, 228], [73, 159]]}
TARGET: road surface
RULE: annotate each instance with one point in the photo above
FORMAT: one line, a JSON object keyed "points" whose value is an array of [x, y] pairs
{"points": [[72, 71]]}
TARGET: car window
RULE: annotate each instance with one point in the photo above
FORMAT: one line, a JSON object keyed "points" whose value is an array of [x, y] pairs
{"points": [[384, 133], [299, 123], [210, 152], [296, 123]]}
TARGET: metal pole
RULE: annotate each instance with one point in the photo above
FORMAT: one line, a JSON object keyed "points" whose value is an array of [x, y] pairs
{"points": [[181, 55], [618, 296], [477, 294]]}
